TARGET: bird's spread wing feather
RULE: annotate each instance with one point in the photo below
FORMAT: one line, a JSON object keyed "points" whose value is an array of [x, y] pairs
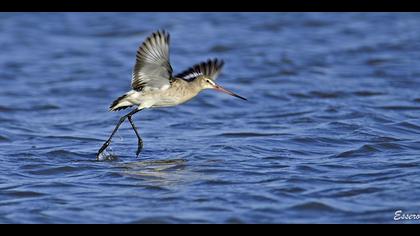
{"points": [[210, 68], [152, 69]]}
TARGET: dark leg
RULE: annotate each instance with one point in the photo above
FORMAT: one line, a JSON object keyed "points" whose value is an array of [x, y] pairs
{"points": [[140, 142], [108, 142]]}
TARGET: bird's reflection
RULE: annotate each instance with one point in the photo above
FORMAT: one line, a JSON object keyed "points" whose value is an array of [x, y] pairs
{"points": [[165, 171]]}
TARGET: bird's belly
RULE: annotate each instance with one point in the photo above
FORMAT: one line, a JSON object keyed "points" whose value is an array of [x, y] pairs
{"points": [[159, 99], [167, 100]]}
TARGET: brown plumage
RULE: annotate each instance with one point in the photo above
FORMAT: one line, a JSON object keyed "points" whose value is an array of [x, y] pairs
{"points": [[154, 86]]}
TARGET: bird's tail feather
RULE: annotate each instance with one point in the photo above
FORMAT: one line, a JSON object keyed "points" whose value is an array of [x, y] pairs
{"points": [[120, 103]]}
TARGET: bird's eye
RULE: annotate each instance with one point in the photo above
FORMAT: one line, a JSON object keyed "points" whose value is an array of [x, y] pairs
{"points": [[208, 81]]}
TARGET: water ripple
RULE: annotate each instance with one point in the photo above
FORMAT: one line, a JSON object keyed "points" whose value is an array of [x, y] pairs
{"points": [[54, 170], [247, 134], [363, 151], [330, 132], [314, 206]]}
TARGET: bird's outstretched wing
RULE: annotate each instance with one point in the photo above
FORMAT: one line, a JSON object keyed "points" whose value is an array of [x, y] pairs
{"points": [[152, 69], [210, 68]]}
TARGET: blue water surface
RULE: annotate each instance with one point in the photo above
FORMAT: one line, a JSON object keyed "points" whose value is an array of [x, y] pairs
{"points": [[330, 133]]}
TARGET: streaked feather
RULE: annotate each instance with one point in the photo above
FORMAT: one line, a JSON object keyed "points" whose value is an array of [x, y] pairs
{"points": [[152, 69]]}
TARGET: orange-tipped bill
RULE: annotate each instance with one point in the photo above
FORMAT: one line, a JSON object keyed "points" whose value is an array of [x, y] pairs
{"points": [[221, 89]]}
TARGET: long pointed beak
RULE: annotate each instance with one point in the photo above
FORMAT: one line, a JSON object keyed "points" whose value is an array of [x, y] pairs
{"points": [[221, 89]]}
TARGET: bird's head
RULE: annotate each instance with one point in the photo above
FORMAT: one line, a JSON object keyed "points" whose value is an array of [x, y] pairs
{"points": [[207, 83]]}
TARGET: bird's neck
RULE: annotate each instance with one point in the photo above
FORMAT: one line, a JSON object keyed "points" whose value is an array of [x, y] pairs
{"points": [[195, 86]]}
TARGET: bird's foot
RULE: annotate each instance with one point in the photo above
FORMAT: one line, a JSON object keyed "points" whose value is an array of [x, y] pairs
{"points": [[102, 149]]}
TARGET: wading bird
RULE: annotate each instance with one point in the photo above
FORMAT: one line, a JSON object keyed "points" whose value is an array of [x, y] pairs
{"points": [[154, 86]]}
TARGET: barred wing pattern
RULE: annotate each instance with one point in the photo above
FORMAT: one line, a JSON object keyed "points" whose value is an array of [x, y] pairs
{"points": [[210, 68], [152, 69]]}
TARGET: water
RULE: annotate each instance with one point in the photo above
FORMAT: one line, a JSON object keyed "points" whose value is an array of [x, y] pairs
{"points": [[330, 133]]}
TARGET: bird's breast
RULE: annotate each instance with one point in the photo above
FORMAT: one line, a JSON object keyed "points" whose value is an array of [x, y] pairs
{"points": [[173, 96]]}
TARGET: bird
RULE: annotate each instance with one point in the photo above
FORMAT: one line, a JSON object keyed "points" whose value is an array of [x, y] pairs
{"points": [[153, 84]]}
